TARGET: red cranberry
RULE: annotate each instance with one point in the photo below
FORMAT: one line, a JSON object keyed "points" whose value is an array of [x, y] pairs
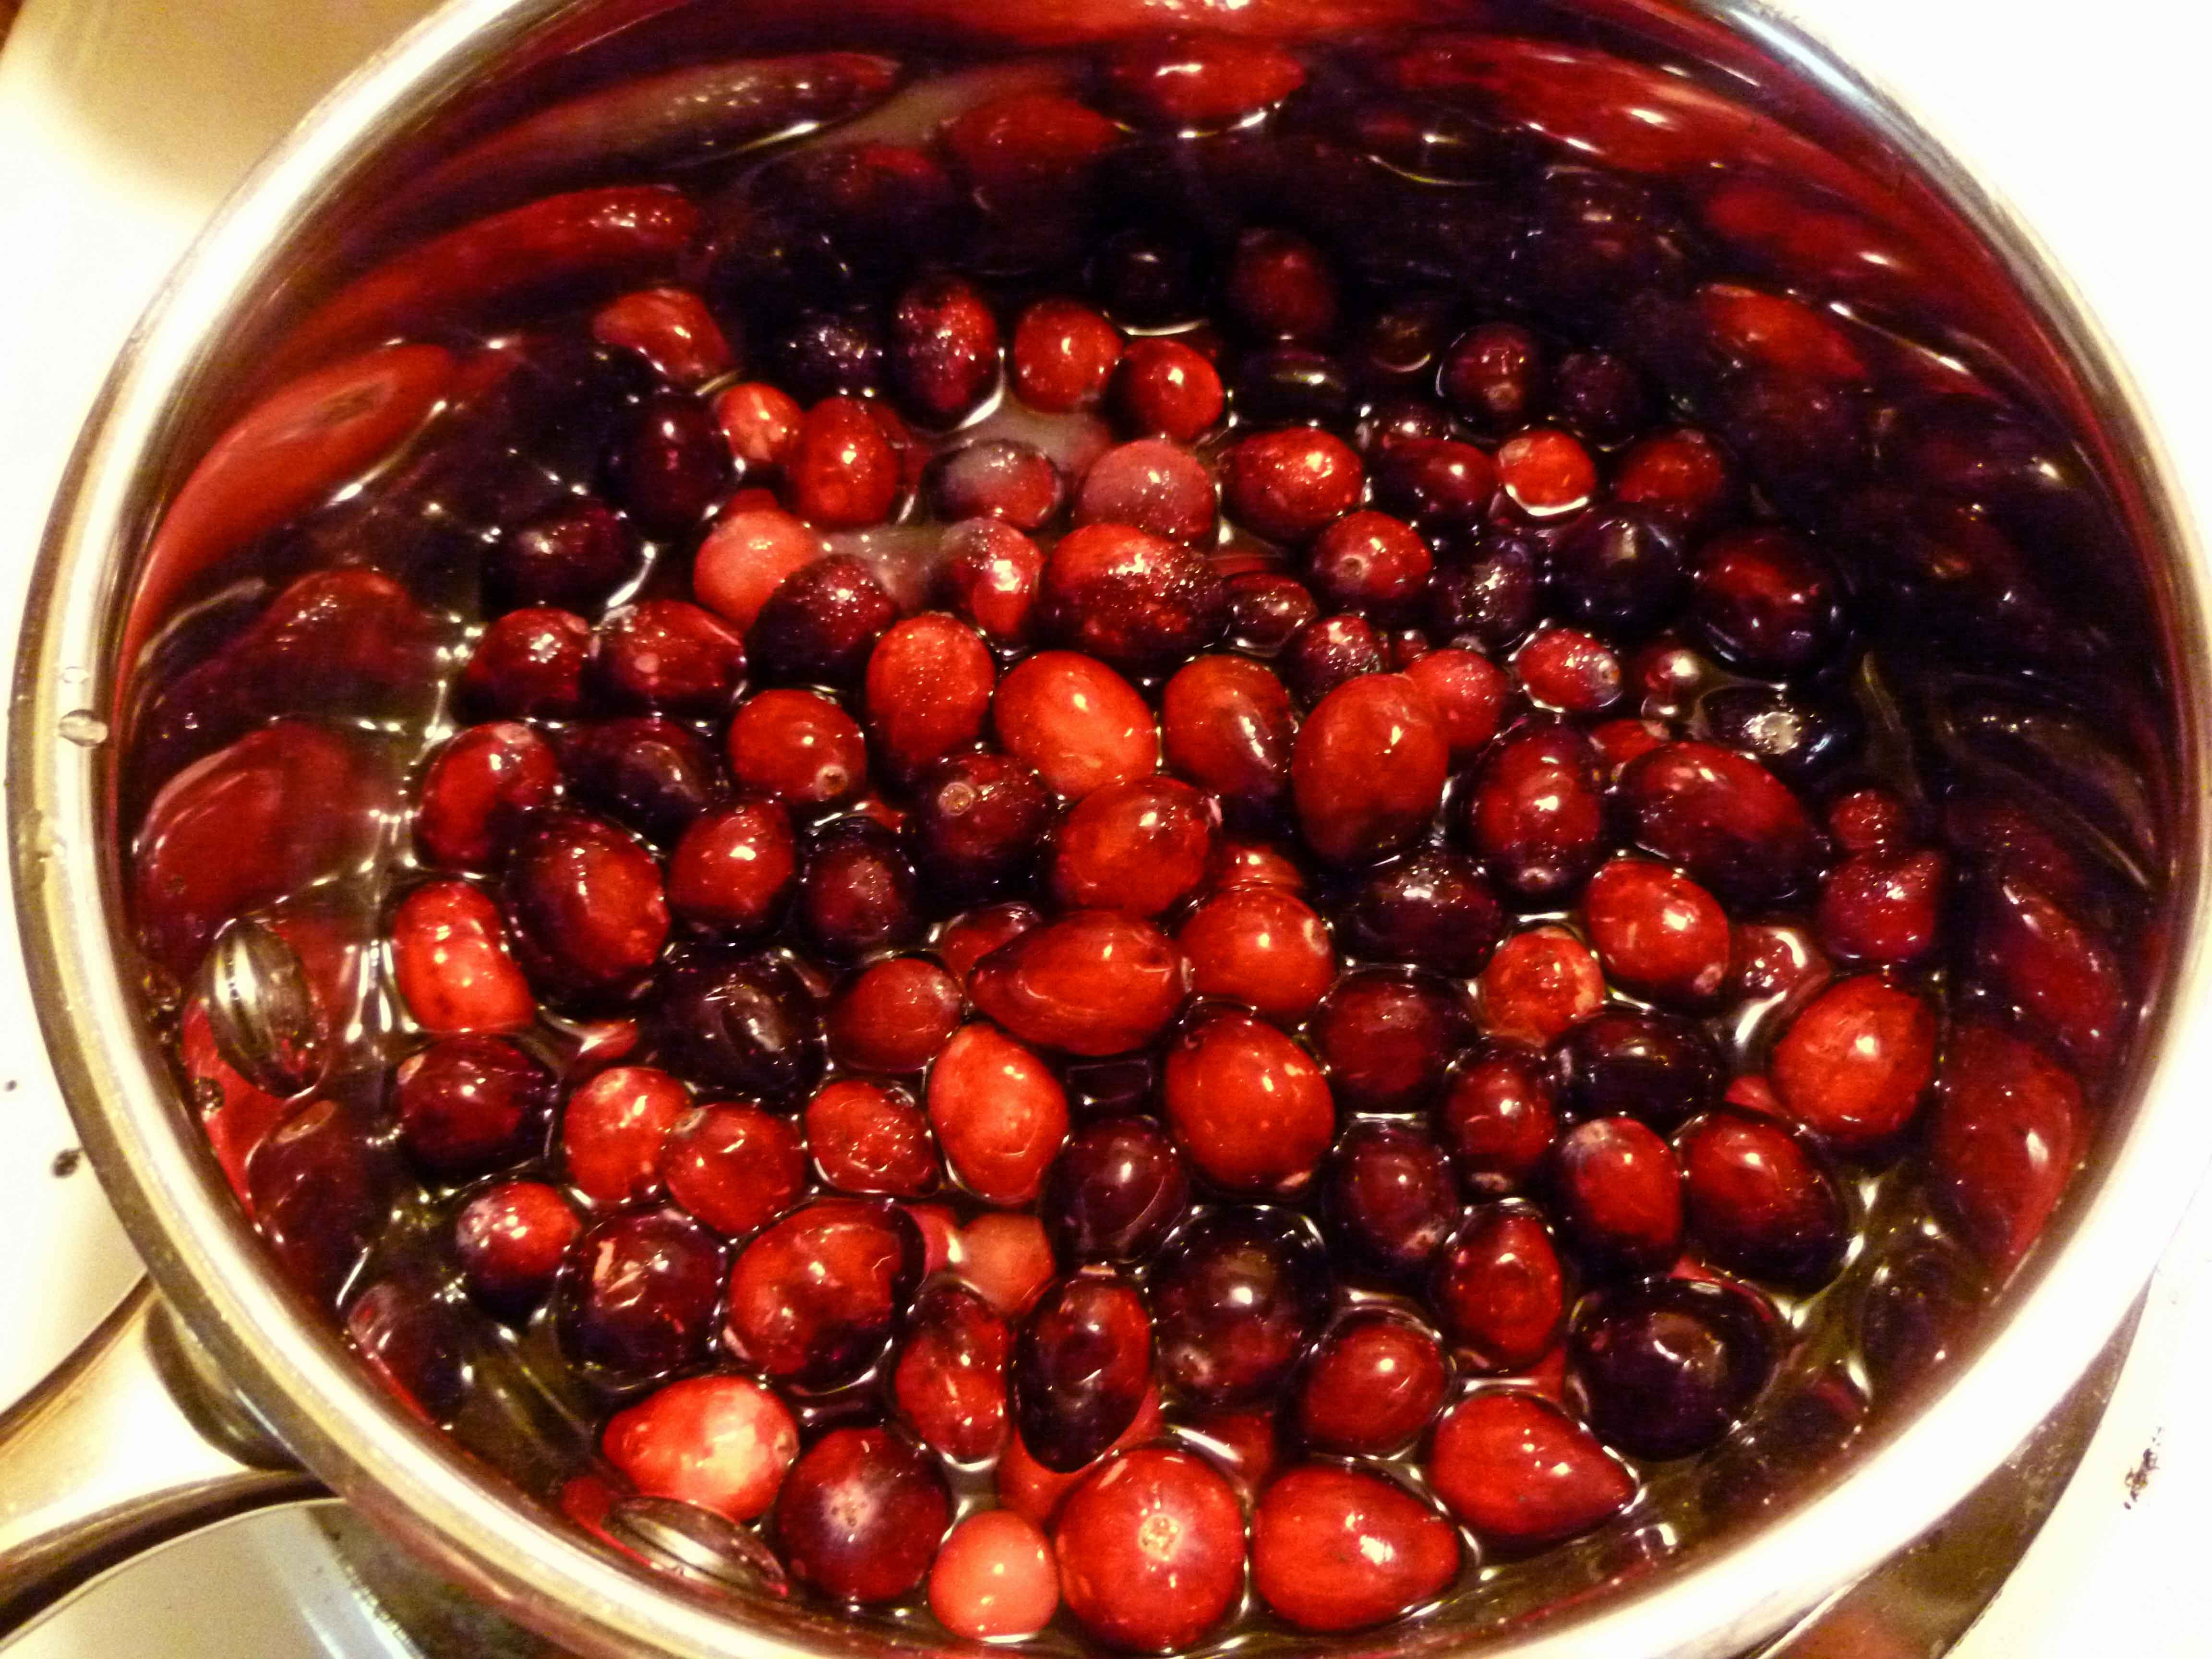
{"points": [[1665, 1367], [842, 473], [1763, 599], [735, 869], [1389, 1198], [1181, 82], [484, 780], [670, 465], [994, 1577], [1257, 863], [1007, 1259], [1681, 476], [1523, 1473], [1164, 389], [895, 1016], [1370, 561], [1435, 482], [1267, 610], [1141, 847], [746, 1024], [999, 1114], [1658, 934], [1082, 1364], [1498, 1290], [1431, 909], [720, 1442], [856, 891], [1373, 1382], [1151, 485], [670, 654], [1494, 376], [1545, 473], [796, 746], [648, 773], [2002, 1140], [1884, 909], [1641, 1063], [1539, 987], [586, 902], [977, 821], [1128, 596], [1569, 670], [1758, 1203], [1287, 485], [820, 626], [1854, 1065], [871, 1139], [1278, 287], [1260, 946], [928, 689], [944, 348], [1063, 355], [1077, 721], [471, 1103], [2064, 977], [813, 1299], [510, 1240], [989, 577], [1385, 1037], [746, 557], [1617, 1195], [613, 1129], [760, 422], [670, 328], [1470, 694], [734, 1167], [1116, 1190], [1228, 725], [1247, 1104], [1091, 982], [1331, 652], [1338, 1549], [1536, 817], [860, 1516], [320, 1190], [1499, 1120], [949, 1383], [974, 935], [528, 662], [571, 559], [1725, 819], [1870, 821], [1152, 1551], [637, 1297], [450, 958], [1369, 768], [999, 480]]}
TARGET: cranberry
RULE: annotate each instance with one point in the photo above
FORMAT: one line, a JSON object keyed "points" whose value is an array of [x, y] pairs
{"points": [[895, 1016], [511, 1239], [613, 1129], [1257, 863], [928, 689], [1077, 721], [1470, 694], [1227, 725], [646, 772], [1370, 562], [1758, 1203], [820, 626], [2002, 1140], [1539, 986], [1536, 817], [485, 780], [1800, 739], [528, 662], [944, 348], [1141, 847], [1489, 597], [1569, 670], [1260, 946], [1803, 441], [743, 1023], [1431, 909], [471, 1103], [1115, 1191], [989, 578], [414, 1341], [760, 422], [734, 1167], [746, 557], [1640, 1063], [813, 1299], [1682, 475], [1854, 1065], [1884, 909], [1658, 934], [1181, 82], [871, 1139], [637, 1296], [1082, 1364], [1278, 287], [994, 1577], [860, 1516], [1091, 982], [796, 746], [1286, 485], [977, 821], [1007, 1259], [2064, 977], [586, 903], [974, 935], [856, 891], [1389, 1198], [1493, 375], [670, 654], [1164, 389], [670, 465], [1545, 473], [1331, 652], [1337, 1549], [825, 354], [1373, 1382], [721, 1442], [320, 1190], [1498, 1290], [571, 559], [450, 959], [735, 868], [1665, 1367], [1499, 1120], [1247, 1104], [1762, 598], [1523, 1473], [1242, 1444], [1000, 1116], [1390, 422], [1145, 276], [1267, 610], [1369, 768], [1129, 596], [1727, 820], [1236, 1298], [1617, 1195], [1152, 1551], [1063, 355], [1438, 483], [1292, 386], [1386, 1036], [949, 1383], [1618, 571], [1154, 486], [1870, 821]]}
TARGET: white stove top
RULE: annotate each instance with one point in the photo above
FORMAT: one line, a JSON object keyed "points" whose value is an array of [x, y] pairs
{"points": [[122, 124]]}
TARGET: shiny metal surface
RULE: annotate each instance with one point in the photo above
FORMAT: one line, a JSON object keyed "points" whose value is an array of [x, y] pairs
{"points": [[160, 406]]}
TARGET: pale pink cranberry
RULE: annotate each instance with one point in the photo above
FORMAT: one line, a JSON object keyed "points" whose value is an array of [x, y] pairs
{"points": [[1261, 946], [1248, 1107], [450, 957], [999, 1114], [994, 1577], [720, 1442], [1077, 721], [612, 1131]]}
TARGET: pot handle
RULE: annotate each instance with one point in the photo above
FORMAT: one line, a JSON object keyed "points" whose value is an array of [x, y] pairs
{"points": [[131, 1444]]}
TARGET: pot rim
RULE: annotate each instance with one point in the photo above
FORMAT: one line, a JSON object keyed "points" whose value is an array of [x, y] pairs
{"points": [[416, 1485]]}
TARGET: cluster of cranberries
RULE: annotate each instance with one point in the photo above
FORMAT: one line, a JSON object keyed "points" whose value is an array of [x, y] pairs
{"points": [[1149, 928]]}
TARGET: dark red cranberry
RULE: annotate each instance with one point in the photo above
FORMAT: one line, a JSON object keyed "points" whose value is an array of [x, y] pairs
{"points": [[1373, 1382], [1600, 397], [813, 1299], [1236, 1298], [1617, 1195], [1539, 986], [637, 1296], [894, 1017], [944, 353], [670, 465], [949, 1383], [1871, 820], [672, 655], [1091, 982], [471, 1103], [749, 554], [1141, 847], [1494, 376], [1499, 1120], [1498, 1290], [1854, 1065], [746, 1024], [760, 423], [1278, 287], [856, 891], [998, 478], [1077, 721], [1779, 965], [1247, 1104], [1179, 82], [1267, 610], [528, 662], [1884, 909], [1436, 482], [585, 904], [1431, 909], [999, 1114], [1723, 817], [1594, 238], [2063, 976], [1260, 946], [1129, 596], [2007, 1128], [483, 782], [320, 1190], [572, 559], [1490, 597], [1536, 817], [1758, 1203], [1764, 600], [1369, 770], [1641, 1063], [1152, 1551], [1370, 562], [870, 1138], [1803, 441], [722, 1443], [1329, 653], [1287, 485], [1659, 934], [645, 772], [821, 624], [860, 1516], [1798, 739], [1063, 354], [1115, 1191], [1400, 341], [1338, 1549], [510, 1240], [1682, 475], [1620, 571], [1665, 1368], [1082, 1363], [451, 965], [1387, 1037], [1164, 389], [1389, 1198], [989, 577], [1522, 1472], [734, 1167], [735, 869], [827, 355], [977, 821], [1144, 277], [1389, 421], [415, 1341]]}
